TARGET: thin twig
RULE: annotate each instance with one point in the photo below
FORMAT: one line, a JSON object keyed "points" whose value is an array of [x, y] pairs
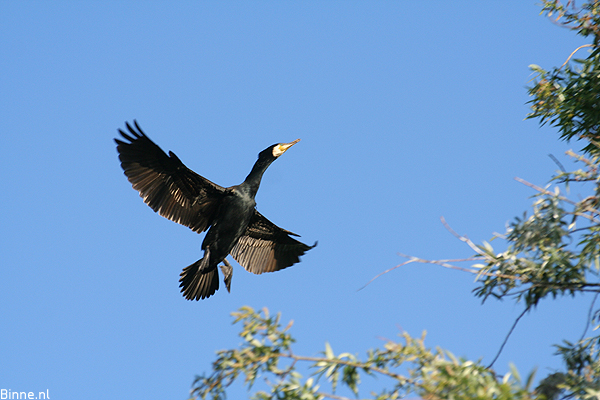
{"points": [[385, 272], [557, 163], [580, 287], [589, 319], [573, 53], [542, 190], [382, 371], [508, 335], [581, 158], [445, 264], [462, 238], [549, 193]]}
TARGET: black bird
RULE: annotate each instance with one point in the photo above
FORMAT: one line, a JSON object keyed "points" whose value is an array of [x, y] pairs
{"points": [[236, 228]]}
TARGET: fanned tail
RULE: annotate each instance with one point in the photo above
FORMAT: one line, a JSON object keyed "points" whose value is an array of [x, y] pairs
{"points": [[198, 280]]}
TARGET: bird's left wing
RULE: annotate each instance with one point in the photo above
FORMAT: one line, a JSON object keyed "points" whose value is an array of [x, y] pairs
{"points": [[166, 184], [265, 247]]}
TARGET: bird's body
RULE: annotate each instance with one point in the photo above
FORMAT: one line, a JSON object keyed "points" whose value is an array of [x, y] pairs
{"points": [[234, 226]]}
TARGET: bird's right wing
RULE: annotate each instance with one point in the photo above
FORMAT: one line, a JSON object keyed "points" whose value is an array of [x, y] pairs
{"points": [[166, 184], [265, 247]]}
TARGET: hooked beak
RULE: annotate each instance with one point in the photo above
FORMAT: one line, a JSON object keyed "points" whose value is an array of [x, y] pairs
{"points": [[283, 147]]}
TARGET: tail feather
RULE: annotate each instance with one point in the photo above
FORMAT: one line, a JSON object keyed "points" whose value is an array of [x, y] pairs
{"points": [[198, 280]]}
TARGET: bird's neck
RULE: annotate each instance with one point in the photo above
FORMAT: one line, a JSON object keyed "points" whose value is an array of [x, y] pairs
{"points": [[252, 181]]}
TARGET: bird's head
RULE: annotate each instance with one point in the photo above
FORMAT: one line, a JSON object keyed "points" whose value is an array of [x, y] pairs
{"points": [[276, 150], [265, 158]]}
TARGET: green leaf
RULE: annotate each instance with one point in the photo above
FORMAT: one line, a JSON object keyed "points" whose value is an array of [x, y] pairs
{"points": [[328, 351]]}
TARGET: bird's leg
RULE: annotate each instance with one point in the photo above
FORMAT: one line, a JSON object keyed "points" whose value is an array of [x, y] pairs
{"points": [[227, 270]]}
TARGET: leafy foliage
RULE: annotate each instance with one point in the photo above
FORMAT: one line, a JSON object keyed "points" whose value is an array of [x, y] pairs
{"points": [[568, 96], [431, 374]]}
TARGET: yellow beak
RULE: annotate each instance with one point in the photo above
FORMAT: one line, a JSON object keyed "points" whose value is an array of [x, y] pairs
{"points": [[283, 147]]}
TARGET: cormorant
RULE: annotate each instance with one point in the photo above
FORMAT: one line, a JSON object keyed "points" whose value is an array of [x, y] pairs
{"points": [[236, 228]]}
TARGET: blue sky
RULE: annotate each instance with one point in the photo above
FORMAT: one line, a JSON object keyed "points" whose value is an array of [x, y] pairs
{"points": [[407, 111]]}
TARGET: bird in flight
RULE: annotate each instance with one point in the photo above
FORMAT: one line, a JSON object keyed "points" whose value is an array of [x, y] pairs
{"points": [[234, 226]]}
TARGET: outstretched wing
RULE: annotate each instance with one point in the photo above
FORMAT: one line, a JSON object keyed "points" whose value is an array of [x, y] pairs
{"points": [[265, 247], [165, 184]]}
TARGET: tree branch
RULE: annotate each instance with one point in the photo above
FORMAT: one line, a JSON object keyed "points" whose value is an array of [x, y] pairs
{"points": [[573, 53], [508, 335], [549, 193], [360, 365], [463, 238]]}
